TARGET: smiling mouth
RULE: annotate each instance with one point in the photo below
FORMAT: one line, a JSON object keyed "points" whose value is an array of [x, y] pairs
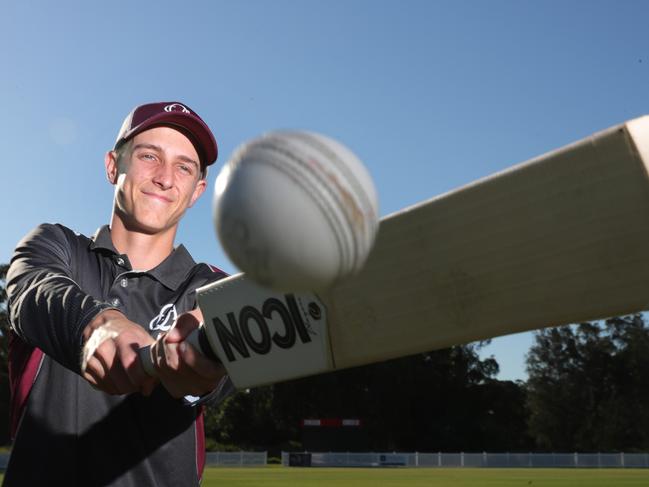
{"points": [[158, 197]]}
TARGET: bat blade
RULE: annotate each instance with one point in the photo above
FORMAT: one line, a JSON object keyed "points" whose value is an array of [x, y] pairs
{"points": [[560, 239]]}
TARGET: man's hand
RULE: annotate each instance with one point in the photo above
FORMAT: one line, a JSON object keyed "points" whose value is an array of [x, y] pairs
{"points": [[110, 359], [181, 368]]}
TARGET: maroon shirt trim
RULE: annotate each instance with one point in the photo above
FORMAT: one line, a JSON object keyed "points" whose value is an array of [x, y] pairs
{"points": [[24, 363], [200, 442]]}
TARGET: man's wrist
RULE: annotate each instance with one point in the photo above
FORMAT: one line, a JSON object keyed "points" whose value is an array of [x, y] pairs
{"points": [[99, 320], [107, 324]]}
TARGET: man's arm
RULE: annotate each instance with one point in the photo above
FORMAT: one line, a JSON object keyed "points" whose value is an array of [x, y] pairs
{"points": [[49, 310]]}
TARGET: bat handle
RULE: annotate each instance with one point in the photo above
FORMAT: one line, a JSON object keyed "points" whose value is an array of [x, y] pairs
{"points": [[197, 338]]}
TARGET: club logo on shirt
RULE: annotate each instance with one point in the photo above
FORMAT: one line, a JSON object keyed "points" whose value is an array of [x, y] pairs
{"points": [[165, 319]]}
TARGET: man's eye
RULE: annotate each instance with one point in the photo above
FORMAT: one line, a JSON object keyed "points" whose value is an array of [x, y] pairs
{"points": [[185, 169], [148, 157]]}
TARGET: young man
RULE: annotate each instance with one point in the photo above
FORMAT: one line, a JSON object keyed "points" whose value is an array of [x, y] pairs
{"points": [[84, 412]]}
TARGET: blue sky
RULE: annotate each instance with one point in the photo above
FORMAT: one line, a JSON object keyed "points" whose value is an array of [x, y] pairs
{"points": [[430, 94]]}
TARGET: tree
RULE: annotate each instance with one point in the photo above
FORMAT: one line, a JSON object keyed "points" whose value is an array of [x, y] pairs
{"points": [[588, 387], [4, 318], [244, 421], [442, 400], [4, 373]]}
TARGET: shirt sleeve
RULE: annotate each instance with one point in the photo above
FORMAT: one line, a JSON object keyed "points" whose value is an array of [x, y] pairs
{"points": [[47, 308], [224, 389]]}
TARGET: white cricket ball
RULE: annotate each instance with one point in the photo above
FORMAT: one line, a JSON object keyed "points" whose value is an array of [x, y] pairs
{"points": [[296, 210]]}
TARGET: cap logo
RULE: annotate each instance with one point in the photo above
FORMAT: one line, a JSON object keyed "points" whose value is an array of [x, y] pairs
{"points": [[176, 107]]}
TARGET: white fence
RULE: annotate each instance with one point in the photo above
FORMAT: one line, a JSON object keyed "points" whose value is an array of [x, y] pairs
{"points": [[474, 460], [236, 459]]}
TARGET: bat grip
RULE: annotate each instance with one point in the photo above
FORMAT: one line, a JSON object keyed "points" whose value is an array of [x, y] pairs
{"points": [[147, 361], [197, 338]]}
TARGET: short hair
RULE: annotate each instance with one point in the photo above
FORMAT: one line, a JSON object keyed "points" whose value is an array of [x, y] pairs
{"points": [[121, 150]]}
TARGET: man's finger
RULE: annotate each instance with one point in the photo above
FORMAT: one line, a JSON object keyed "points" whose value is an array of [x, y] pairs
{"points": [[97, 376], [167, 356], [185, 324], [109, 356], [96, 340], [93, 371], [199, 363], [128, 367], [148, 386], [139, 368]]}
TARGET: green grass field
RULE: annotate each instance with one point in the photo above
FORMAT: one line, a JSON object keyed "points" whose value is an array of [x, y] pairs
{"points": [[420, 477], [277, 476]]}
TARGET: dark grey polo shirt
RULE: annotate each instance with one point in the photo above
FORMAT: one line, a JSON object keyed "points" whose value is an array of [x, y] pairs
{"points": [[66, 432]]}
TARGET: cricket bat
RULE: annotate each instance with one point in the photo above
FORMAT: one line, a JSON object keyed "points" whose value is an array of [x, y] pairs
{"points": [[560, 239]]}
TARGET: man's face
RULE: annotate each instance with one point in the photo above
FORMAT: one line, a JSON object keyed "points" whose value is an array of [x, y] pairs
{"points": [[156, 179]]}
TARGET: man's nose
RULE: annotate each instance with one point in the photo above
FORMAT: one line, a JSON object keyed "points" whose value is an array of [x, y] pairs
{"points": [[163, 176]]}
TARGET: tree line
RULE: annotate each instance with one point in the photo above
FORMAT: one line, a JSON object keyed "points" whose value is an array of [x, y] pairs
{"points": [[587, 390]]}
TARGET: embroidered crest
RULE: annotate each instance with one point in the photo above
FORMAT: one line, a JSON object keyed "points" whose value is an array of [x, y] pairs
{"points": [[165, 319]]}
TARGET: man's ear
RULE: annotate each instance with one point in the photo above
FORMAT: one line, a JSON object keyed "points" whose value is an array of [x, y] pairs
{"points": [[198, 191], [110, 161]]}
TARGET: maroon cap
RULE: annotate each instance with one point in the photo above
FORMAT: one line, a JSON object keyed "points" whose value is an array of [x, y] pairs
{"points": [[174, 114]]}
